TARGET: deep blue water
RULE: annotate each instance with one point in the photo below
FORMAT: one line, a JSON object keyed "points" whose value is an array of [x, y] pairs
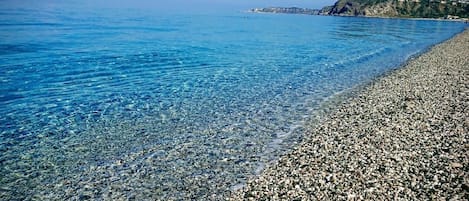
{"points": [[124, 104]]}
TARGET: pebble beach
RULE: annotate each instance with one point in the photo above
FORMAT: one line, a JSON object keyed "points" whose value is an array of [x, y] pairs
{"points": [[402, 137]]}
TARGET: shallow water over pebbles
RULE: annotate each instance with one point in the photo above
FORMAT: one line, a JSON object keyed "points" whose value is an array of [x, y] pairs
{"points": [[110, 105]]}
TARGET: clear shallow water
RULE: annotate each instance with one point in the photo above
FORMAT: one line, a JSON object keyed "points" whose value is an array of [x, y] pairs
{"points": [[142, 105]]}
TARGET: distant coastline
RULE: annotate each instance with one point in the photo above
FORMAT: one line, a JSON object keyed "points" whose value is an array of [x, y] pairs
{"points": [[288, 10], [453, 10], [326, 12]]}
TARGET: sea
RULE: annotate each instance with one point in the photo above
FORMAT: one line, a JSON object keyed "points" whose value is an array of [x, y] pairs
{"points": [[111, 104]]}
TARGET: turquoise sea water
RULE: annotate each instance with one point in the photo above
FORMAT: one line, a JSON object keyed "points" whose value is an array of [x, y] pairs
{"points": [[141, 105]]}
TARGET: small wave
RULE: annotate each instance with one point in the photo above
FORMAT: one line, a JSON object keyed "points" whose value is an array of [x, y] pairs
{"points": [[9, 97], [31, 24], [6, 49], [361, 58]]}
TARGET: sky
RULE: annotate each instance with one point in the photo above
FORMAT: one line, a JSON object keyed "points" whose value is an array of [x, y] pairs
{"points": [[210, 4], [264, 3], [172, 4], [299, 3], [227, 3]]}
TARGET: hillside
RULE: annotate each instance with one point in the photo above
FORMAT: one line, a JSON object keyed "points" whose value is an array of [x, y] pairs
{"points": [[401, 8]]}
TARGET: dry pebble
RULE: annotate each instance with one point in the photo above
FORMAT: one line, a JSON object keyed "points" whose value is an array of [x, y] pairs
{"points": [[404, 137]]}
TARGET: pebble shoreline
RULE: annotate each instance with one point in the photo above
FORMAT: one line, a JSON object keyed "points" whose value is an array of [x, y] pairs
{"points": [[403, 137]]}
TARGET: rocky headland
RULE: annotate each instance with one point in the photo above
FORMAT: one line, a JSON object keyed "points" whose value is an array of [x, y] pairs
{"points": [[401, 8]]}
